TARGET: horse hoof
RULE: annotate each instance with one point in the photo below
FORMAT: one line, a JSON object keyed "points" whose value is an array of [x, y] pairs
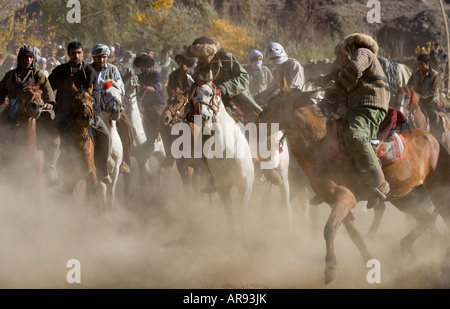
{"points": [[330, 274]]}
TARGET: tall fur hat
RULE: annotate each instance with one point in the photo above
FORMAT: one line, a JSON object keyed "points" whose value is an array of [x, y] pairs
{"points": [[203, 47], [360, 40]]}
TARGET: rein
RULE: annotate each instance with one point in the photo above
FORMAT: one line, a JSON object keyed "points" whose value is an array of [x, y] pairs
{"points": [[214, 103], [176, 113]]}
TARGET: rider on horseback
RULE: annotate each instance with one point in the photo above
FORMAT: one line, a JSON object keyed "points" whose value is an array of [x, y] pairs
{"points": [[77, 72], [229, 76], [426, 81], [108, 71], [368, 93], [26, 72]]}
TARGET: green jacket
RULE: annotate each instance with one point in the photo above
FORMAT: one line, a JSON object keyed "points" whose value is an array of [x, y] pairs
{"points": [[228, 72]]}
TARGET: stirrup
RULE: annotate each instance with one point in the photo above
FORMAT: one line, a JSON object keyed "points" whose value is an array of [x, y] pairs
{"points": [[380, 194]]}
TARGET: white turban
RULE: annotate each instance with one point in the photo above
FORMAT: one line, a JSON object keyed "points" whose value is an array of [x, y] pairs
{"points": [[275, 53], [100, 49]]}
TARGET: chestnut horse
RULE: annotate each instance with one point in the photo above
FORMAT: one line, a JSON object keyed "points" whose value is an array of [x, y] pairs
{"points": [[409, 105], [339, 184], [408, 102], [23, 162], [77, 151]]}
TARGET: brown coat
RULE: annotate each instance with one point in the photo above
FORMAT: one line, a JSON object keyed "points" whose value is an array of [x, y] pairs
{"points": [[10, 83]]}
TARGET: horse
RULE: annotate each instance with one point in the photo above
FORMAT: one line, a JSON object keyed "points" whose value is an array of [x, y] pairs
{"points": [[77, 146], [143, 149], [190, 169], [408, 102], [340, 185], [280, 160], [131, 83], [230, 162], [111, 102], [23, 163], [409, 105]]}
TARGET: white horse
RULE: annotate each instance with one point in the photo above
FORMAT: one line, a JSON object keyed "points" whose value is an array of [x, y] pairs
{"points": [[141, 148], [111, 101], [227, 150]]}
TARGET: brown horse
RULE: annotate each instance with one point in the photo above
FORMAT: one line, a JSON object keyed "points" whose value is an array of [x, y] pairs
{"points": [[409, 105], [23, 162], [339, 184], [77, 151], [188, 168]]}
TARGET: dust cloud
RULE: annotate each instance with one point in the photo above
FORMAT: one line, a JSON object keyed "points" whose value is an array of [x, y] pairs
{"points": [[171, 243]]}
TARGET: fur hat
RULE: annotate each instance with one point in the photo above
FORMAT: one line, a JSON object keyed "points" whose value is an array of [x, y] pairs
{"points": [[203, 47], [360, 40], [144, 59]]}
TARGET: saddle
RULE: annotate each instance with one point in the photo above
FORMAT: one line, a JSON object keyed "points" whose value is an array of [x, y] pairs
{"points": [[390, 146]]}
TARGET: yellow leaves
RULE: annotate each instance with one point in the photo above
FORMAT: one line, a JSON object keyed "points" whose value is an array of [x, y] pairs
{"points": [[422, 49], [23, 31], [233, 38], [137, 17], [161, 4]]}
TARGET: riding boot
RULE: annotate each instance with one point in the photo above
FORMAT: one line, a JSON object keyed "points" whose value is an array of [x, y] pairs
{"points": [[377, 184]]}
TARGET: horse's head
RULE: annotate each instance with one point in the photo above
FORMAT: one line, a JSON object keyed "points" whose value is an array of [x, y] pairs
{"points": [[206, 99], [176, 108], [111, 97], [130, 80], [406, 98], [30, 100], [83, 104]]}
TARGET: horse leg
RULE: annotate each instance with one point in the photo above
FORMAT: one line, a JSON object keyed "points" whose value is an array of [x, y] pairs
{"points": [[285, 201], [412, 204], [127, 187], [344, 200], [225, 196], [186, 179], [378, 211], [355, 236], [246, 192]]}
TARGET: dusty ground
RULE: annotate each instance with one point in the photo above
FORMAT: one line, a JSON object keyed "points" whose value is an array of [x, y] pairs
{"points": [[175, 245]]}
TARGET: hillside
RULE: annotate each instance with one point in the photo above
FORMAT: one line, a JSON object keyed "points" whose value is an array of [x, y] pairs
{"points": [[302, 24]]}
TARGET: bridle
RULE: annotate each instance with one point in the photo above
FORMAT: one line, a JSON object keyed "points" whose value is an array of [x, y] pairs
{"points": [[32, 107], [79, 97], [175, 113], [214, 102]]}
